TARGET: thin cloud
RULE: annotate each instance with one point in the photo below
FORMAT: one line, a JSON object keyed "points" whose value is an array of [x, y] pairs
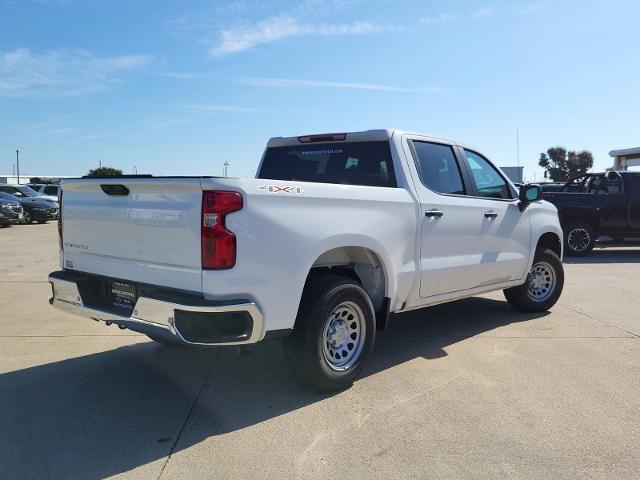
{"points": [[160, 123], [278, 27], [186, 75], [439, 19], [94, 136], [293, 83], [532, 8], [64, 73], [215, 108], [481, 12], [62, 130]]}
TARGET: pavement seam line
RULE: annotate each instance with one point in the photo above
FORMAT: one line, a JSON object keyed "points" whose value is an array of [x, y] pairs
{"points": [[188, 417], [598, 320]]}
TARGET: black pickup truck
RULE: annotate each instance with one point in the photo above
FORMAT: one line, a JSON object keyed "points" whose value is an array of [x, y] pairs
{"points": [[597, 204]]}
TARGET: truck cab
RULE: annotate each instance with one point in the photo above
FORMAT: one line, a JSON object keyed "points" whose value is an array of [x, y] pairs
{"points": [[597, 204]]}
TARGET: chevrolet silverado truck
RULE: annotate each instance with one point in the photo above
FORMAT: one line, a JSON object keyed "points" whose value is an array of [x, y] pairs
{"points": [[597, 204], [335, 233]]}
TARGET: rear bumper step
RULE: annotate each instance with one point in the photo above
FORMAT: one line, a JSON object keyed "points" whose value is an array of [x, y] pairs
{"points": [[176, 316]]}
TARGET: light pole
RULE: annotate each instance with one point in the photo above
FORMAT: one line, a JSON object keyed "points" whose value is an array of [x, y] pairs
{"points": [[18, 164], [226, 164]]}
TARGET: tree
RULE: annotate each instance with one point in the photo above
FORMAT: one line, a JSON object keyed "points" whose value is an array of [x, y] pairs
{"points": [[105, 172], [561, 165]]}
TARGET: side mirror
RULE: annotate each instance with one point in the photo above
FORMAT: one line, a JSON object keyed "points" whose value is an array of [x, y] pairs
{"points": [[530, 193]]}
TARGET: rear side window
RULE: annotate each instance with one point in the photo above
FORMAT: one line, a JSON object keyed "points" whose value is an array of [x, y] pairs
{"points": [[358, 163], [438, 168]]}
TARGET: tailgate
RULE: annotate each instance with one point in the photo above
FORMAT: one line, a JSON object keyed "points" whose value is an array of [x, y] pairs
{"points": [[148, 231]]}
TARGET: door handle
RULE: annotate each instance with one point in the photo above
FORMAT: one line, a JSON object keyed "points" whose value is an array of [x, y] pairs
{"points": [[490, 214], [433, 213]]}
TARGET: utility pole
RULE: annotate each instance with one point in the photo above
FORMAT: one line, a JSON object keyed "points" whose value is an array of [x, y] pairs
{"points": [[99, 163], [518, 150], [226, 164], [18, 164]]}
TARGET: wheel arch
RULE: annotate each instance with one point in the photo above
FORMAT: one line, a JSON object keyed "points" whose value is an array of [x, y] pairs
{"points": [[364, 265], [552, 241]]}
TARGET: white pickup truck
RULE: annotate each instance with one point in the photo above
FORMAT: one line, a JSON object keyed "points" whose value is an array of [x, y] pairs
{"points": [[336, 232]]}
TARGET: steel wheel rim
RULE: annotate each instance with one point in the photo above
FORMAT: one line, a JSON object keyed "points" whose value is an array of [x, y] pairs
{"points": [[542, 282], [343, 336], [579, 239]]}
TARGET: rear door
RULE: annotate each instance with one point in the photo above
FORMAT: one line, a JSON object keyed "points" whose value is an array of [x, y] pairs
{"points": [[143, 230], [506, 230]]}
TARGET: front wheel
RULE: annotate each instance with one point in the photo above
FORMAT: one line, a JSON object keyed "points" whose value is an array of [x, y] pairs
{"points": [[543, 286], [579, 239], [28, 218], [333, 335]]}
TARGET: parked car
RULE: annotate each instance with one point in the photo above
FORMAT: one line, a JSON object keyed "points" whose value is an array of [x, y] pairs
{"points": [[40, 212], [49, 189], [27, 193], [336, 232], [10, 210], [597, 204]]}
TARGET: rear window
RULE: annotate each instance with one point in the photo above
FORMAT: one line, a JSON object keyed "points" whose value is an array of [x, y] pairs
{"points": [[361, 163]]}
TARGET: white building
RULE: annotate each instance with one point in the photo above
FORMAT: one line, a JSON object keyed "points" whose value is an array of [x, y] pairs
{"points": [[625, 158], [24, 179]]}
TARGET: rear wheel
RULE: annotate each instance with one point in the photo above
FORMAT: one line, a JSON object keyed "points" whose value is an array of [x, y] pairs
{"points": [[543, 286], [334, 333], [579, 239]]}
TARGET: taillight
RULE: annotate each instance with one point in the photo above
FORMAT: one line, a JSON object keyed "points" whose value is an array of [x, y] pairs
{"points": [[325, 137], [218, 243], [60, 218]]}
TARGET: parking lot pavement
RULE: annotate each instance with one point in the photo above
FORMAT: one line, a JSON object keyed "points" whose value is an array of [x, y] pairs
{"points": [[471, 389]]}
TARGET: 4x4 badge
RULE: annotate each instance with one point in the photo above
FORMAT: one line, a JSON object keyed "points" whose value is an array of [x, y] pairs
{"points": [[281, 189]]}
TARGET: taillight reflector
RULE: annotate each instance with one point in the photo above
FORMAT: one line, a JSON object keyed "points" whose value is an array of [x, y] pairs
{"points": [[218, 243]]}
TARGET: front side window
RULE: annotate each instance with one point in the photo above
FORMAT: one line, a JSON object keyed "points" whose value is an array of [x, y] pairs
{"points": [[438, 168], [489, 183]]}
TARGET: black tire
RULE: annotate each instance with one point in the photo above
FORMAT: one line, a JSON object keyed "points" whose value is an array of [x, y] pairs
{"points": [[324, 302], [537, 300], [579, 239], [28, 218]]}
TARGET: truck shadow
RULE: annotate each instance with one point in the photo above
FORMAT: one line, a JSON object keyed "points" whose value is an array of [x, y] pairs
{"points": [[110, 412], [630, 254]]}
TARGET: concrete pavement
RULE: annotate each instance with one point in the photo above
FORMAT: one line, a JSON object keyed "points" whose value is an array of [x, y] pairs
{"points": [[471, 389]]}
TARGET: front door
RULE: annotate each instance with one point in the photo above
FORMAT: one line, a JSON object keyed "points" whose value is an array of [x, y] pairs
{"points": [[506, 230]]}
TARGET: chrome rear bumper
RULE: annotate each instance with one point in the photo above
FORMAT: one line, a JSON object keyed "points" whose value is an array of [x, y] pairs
{"points": [[157, 316]]}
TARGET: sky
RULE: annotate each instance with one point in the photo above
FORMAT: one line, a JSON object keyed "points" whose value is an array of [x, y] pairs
{"points": [[180, 88]]}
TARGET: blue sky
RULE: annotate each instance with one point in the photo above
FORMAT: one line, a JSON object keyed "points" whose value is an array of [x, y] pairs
{"points": [[181, 87]]}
